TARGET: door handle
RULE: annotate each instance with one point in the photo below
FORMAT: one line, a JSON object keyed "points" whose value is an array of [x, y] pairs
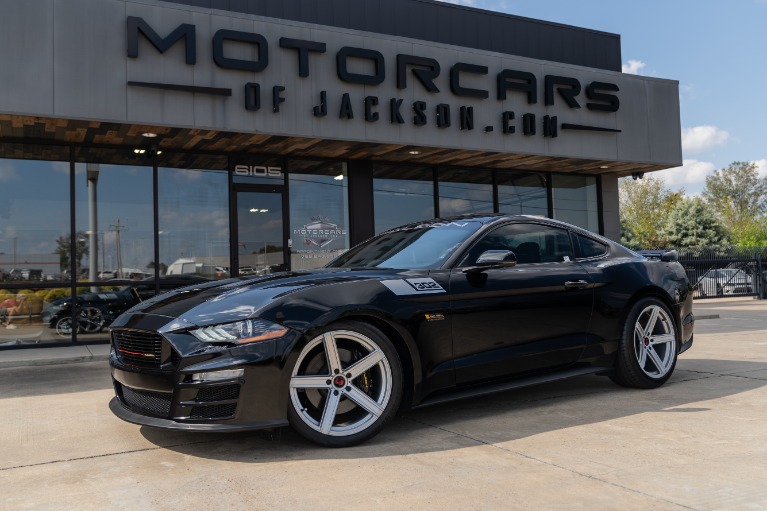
{"points": [[576, 284]]}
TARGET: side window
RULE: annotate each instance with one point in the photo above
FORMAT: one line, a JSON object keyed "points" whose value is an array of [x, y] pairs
{"points": [[531, 243], [590, 248]]}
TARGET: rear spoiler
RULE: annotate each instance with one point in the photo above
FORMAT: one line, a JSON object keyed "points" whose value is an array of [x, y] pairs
{"points": [[666, 256]]}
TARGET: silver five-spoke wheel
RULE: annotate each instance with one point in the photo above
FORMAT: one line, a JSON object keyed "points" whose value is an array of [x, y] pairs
{"points": [[344, 385], [655, 341], [647, 352]]}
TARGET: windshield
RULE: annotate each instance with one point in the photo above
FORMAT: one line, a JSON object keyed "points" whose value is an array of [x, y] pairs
{"points": [[426, 246]]}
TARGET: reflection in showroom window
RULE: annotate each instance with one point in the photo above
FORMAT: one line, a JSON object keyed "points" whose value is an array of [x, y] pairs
{"points": [[319, 212], [465, 191], [193, 215], [522, 194], [34, 241], [575, 200], [402, 195], [531, 244]]}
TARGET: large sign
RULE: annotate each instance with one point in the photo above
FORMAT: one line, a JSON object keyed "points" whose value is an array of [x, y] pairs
{"points": [[367, 66]]}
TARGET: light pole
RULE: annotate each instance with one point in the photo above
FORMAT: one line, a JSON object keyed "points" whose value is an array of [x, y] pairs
{"points": [[92, 175]]}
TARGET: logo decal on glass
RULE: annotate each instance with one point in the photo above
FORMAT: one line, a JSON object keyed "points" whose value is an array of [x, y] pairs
{"points": [[320, 232]]}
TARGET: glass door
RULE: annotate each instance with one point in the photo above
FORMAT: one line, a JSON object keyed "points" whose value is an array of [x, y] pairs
{"points": [[260, 233]]}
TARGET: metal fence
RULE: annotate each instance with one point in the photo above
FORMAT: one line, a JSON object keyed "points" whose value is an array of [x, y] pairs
{"points": [[726, 271]]}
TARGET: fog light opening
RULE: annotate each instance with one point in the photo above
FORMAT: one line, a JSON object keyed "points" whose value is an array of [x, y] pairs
{"points": [[227, 374]]}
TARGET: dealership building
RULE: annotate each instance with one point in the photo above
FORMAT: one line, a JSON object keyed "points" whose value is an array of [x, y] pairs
{"points": [[229, 137]]}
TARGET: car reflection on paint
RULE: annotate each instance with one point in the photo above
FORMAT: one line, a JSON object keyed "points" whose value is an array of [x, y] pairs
{"points": [[419, 315]]}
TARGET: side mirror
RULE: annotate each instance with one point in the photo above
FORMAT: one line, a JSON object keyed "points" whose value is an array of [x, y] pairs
{"points": [[493, 259]]}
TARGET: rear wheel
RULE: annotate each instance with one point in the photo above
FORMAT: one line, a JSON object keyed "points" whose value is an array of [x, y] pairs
{"points": [[648, 350], [346, 385]]}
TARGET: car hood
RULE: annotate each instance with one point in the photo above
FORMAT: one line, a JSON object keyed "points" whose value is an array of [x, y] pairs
{"points": [[244, 297]]}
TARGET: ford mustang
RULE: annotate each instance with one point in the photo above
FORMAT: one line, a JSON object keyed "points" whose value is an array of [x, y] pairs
{"points": [[421, 314]]}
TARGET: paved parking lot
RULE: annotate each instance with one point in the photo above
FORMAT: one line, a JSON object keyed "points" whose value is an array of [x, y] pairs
{"points": [[697, 443]]}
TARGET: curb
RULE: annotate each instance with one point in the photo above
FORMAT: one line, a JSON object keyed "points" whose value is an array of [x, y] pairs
{"points": [[8, 364]]}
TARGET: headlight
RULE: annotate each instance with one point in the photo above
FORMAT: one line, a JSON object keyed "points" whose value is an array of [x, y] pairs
{"points": [[240, 332]]}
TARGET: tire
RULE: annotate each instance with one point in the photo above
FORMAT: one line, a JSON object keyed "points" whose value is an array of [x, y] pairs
{"points": [[347, 397], [648, 350], [90, 320], [64, 326]]}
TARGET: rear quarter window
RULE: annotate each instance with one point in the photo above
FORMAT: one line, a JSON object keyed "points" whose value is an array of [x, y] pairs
{"points": [[591, 248]]}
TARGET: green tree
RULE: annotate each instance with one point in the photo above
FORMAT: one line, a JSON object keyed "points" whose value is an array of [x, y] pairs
{"points": [[691, 223], [64, 247], [644, 206], [752, 234], [739, 195]]}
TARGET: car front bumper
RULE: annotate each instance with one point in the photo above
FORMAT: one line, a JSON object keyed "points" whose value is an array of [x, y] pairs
{"points": [[177, 388]]}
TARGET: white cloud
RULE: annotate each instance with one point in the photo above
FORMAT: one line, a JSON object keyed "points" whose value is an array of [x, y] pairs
{"points": [[761, 165], [633, 67], [469, 3], [702, 138], [691, 175]]}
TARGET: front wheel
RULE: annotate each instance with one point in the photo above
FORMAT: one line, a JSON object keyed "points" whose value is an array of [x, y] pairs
{"points": [[647, 352], [346, 385]]}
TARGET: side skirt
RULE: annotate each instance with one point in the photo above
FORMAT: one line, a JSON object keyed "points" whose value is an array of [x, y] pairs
{"points": [[492, 388]]}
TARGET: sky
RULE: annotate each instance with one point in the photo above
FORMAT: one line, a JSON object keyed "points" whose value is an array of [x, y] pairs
{"points": [[715, 49]]}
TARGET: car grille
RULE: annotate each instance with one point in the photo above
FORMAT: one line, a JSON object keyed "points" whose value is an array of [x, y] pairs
{"points": [[213, 411], [221, 393], [146, 402], [217, 396], [137, 347]]}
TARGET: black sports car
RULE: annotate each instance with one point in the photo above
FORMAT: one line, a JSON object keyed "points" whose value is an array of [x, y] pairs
{"points": [[421, 314]]}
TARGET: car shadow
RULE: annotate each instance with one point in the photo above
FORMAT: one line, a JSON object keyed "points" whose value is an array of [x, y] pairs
{"points": [[491, 419]]}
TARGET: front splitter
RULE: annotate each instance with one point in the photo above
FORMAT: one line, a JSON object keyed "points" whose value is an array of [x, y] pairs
{"points": [[128, 415]]}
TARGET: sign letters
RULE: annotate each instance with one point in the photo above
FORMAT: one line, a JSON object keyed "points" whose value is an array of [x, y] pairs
{"points": [[366, 66]]}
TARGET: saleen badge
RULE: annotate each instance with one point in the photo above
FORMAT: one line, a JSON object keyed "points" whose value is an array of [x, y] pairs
{"points": [[404, 287]]}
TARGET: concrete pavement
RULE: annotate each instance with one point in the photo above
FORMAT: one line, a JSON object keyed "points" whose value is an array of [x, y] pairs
{"points": [[696, 443]]}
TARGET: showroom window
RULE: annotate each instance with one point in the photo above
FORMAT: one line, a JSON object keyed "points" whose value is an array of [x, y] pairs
{"points": [[463, 191], [521, 193], [319, 212], [34, 241], [124, 246], [575, 200], [193, 215], [114, 226], [402, 195]]}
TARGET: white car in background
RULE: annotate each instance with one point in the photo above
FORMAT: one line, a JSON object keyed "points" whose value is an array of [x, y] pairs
{"points": [[726, 281]]}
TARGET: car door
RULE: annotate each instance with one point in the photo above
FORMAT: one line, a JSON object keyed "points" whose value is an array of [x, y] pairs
{"points": [[530, 317]]}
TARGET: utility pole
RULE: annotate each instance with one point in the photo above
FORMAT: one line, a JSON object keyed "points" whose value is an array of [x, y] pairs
{"points": [[117, 228]]}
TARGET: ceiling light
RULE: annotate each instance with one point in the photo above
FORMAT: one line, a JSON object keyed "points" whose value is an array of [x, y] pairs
{"points": [[253, 210], [604, 167], [414, 152], [149, 134], [339, 177], [264, 211], [158, 152], [139, 151]]}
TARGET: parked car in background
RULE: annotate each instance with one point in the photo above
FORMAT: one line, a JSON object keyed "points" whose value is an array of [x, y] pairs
{"points": [[725, 281], [97, 310]]}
